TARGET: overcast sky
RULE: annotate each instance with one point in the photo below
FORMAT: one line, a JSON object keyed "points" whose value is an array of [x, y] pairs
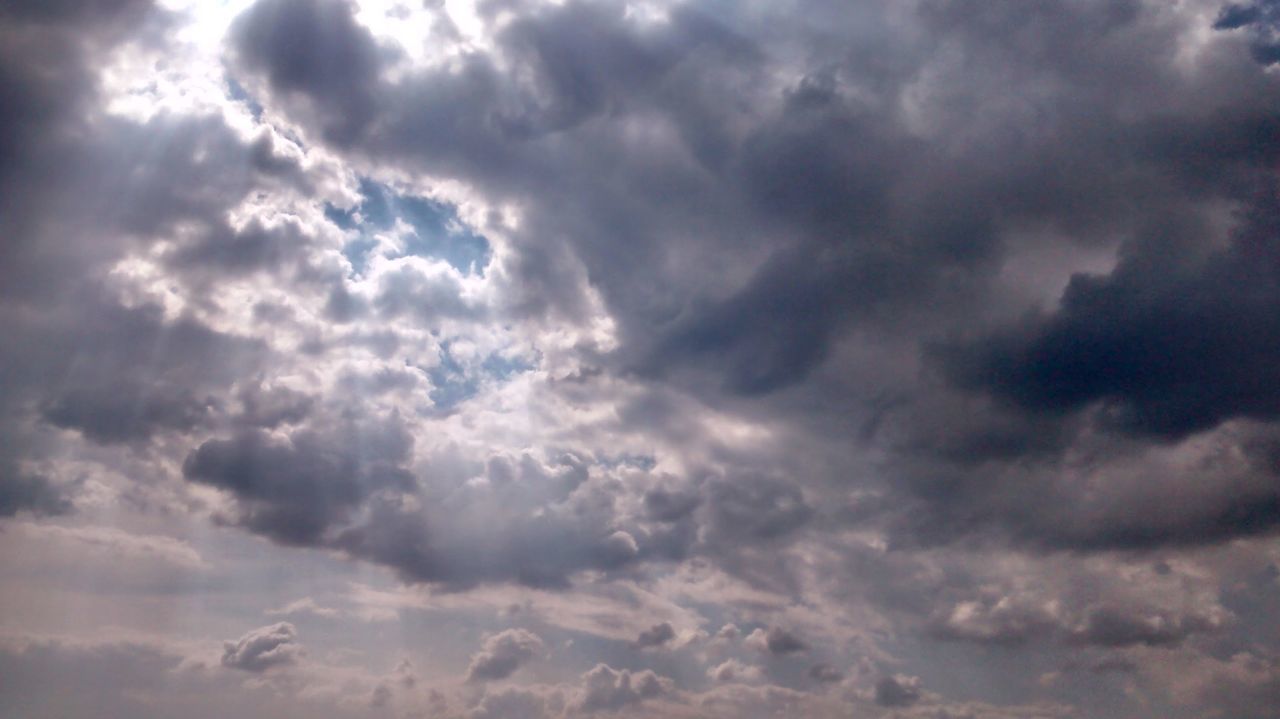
{"points": [[705, 359]]}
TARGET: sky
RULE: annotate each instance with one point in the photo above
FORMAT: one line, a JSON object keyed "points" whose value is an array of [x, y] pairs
{"points": [[690, 359]]}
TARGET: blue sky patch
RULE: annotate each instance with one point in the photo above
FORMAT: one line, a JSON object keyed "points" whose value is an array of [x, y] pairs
{"points": [[437, 230], [455, 382]]}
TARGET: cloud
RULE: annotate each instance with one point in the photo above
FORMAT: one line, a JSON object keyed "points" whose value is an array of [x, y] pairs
{"points": [[556, 523], [1261, 19], [510, 702], [609, 689], [755, 508], [306, 605], [115, 414], [1115, 626], [656, 636], [732, 670], [775, 641], [26, 493], [502, 654], [263, 648], [1109, 609], [150, 680], [897, 691], [313, 49], [934, 337], [296, 491], [1245, 685], [825, 674], [1165, 350]]}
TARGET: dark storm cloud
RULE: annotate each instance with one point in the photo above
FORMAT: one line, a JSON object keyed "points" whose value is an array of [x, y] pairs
{"points": [[30, 493], [46, 81], [123, 413], [296, 491], [1031, 496], [877, 225], [1261, 19], [666, 505], [1177, 342], [78, 190], [771, 334], [1165, 351], [71, 11], [121, 375], [316, 50]]}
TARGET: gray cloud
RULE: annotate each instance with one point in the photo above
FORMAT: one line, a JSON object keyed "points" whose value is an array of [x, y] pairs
{"points": [[33, 493], [923, 330], [825, 674], [314, 50], [510, 702], [502, 654], [296, 491], [1261, 19], [609, 689], [775, 640], [1166, 350], [263, 648], [1113, 626], [897, 691], [656, 636], [755, 508]]}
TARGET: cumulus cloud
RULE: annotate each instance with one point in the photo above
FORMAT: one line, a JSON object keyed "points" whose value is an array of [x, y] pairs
{"points": [[609, 689], [295, 491], [732, 670], [502, 654], [263, 648], [656, 636], [511, 702], [897, 691], [775, 640]]}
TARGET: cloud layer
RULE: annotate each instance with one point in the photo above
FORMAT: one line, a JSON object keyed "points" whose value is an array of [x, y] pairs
{"points": [[653, 359]]}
